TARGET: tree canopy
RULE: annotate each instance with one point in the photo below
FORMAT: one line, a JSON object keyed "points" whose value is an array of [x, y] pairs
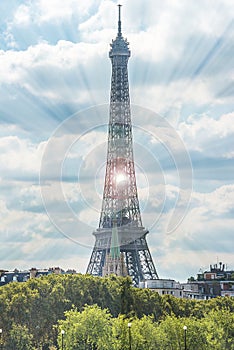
{"points": [[96, 311]]}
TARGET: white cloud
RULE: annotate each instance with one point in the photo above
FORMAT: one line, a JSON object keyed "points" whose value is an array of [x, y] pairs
{"points": [[42, 11], [211, 136], [3, 209], [58, 73], [22, 15], [174, 94], [218, 202], [19, 157], [209, 214], [182, 258], [52, 71], [161, 30], [11, 129], [103, 18], [204, 234], [20, 225], [181, 59]]}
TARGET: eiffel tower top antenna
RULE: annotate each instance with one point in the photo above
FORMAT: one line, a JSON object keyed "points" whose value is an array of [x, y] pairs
{"points": [[119, 22]]}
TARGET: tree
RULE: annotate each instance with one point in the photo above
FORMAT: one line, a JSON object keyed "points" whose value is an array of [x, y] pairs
{"points": [[143, 334], [39, 303], [219, 329], [19, 338], [90, 329], [147, 302], [171, 334]]}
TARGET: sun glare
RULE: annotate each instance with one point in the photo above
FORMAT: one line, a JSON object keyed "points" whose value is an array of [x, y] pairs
{"points": [[120, 178]]}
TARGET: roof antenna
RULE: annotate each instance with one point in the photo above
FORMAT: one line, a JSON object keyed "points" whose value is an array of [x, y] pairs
{"points": [[119, 22]]}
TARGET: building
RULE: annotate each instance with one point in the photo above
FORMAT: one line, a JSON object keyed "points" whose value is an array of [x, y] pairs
{"points": [[217, 281], [22, 276], [164, 287]]}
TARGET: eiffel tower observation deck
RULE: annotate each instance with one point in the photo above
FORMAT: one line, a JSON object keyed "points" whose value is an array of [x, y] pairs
{"points": [[121, 247]]}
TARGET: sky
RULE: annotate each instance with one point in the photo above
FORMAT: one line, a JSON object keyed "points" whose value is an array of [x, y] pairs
{"points": [[54, 93]]}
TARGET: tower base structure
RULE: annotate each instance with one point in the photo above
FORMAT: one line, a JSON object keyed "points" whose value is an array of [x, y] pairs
{"points": [[135, 257]]}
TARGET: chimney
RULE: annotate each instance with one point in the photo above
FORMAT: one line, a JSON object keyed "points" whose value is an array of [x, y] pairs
{"points": [[33, 272]]}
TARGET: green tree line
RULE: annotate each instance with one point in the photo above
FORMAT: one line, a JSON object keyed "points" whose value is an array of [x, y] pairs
{"points": [[95, 312]]}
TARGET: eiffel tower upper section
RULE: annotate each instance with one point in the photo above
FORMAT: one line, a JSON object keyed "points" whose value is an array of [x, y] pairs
{"points": [[120, 200]]}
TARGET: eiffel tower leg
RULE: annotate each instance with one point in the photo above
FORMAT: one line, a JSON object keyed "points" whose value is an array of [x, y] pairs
{"points": [[139, 262], [96, 262]]}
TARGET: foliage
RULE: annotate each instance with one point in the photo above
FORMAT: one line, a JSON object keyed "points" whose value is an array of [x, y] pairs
{"points": [[35, 307], [90, 329], [19, 338], [147, 303], [94, 329]]}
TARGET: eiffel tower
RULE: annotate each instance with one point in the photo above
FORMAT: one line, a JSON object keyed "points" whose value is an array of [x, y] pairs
{"points": [[121, 247]]}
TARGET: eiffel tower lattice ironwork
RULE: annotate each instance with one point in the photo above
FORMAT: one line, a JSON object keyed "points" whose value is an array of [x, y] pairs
{"points": [[121, 245]]}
